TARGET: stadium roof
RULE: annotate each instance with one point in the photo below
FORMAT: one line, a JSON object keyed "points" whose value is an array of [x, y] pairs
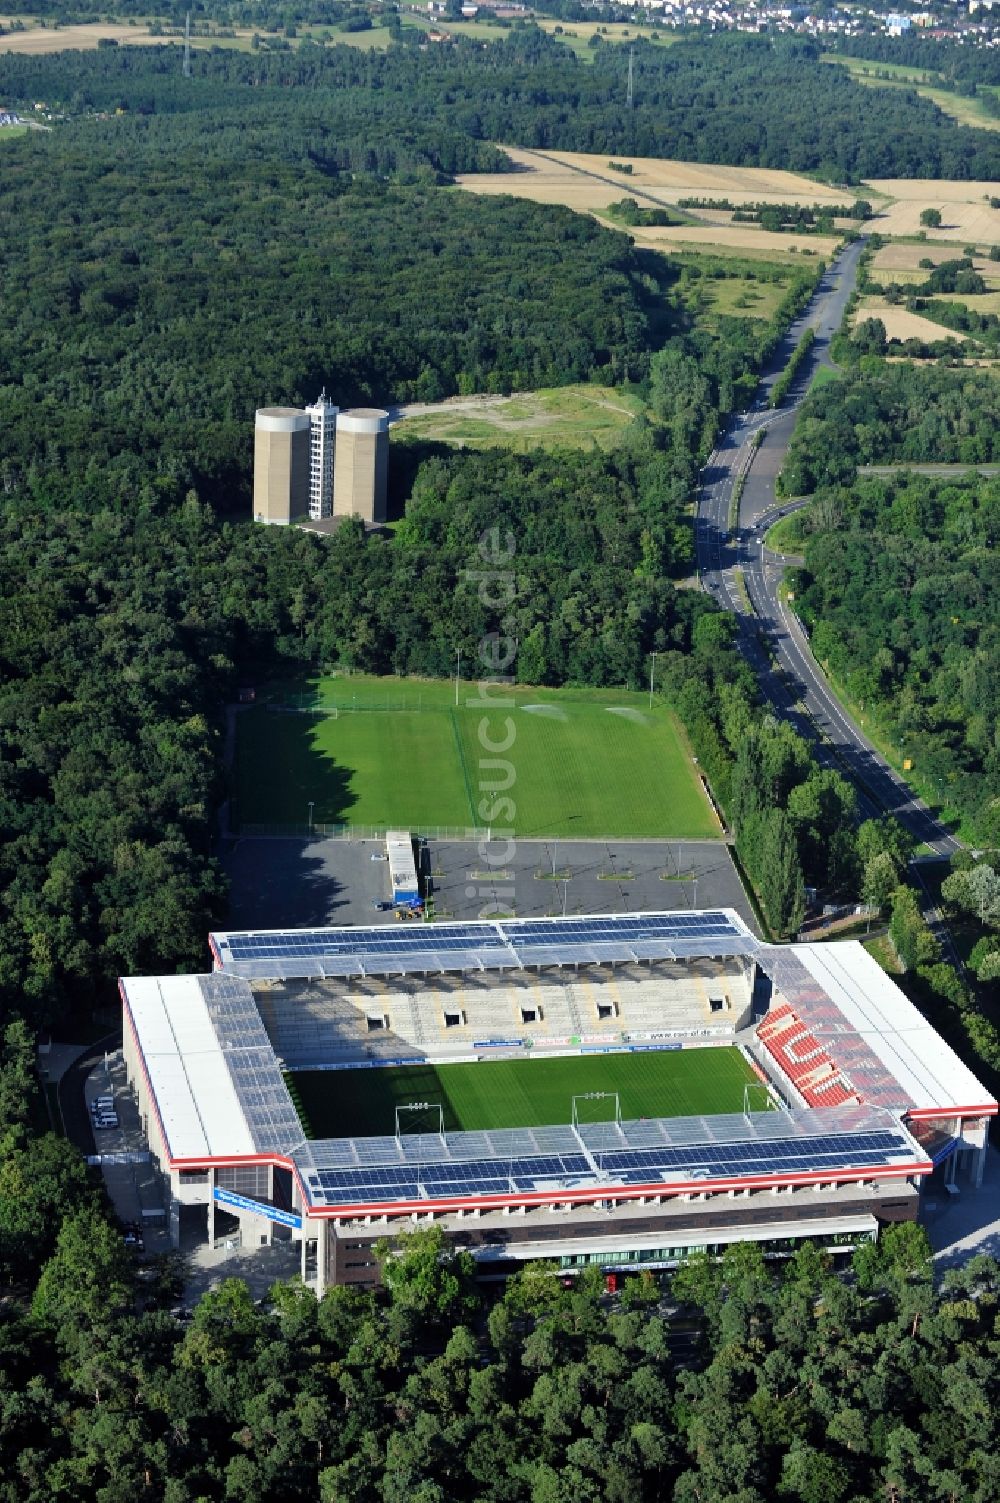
{"points": [[210, 1066], [219, 1093], [429, 1170], [872, 1032], [285, 954]]}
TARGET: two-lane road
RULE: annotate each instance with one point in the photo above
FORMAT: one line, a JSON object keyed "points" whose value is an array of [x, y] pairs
{"points": [[731, 537]]}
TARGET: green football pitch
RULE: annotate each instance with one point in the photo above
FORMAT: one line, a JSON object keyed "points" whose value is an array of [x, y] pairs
{"points": [[525, 1092], [398, 752]]}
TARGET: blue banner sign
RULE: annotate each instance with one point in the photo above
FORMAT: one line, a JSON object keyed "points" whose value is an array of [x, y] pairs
{"points": [[498, 1044], [258, 1207]]}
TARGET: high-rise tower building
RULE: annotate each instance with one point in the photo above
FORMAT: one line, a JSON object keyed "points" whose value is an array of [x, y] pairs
{"points": [[361, 466], [281, 465], [322, 443]]}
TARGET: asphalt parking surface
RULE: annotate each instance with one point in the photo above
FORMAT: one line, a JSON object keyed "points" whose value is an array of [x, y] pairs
{"points": [[279, 883]]}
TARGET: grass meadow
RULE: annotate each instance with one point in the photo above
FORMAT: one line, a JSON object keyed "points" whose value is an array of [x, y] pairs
{"points": [[525, 1092], [576, 417], [398, 752]]}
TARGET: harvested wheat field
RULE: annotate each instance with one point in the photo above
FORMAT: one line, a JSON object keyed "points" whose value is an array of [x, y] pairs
{"points": [[548, 177], [966, 215], [900, 261], [731, 239], [900, 323], [588, 185], [44, 39]]}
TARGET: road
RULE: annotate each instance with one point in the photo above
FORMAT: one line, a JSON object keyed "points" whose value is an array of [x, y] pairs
{"points": [[730, 537]]}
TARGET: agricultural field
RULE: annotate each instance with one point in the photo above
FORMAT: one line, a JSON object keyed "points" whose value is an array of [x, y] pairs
{"points": [[587, 184], [577, 417], [37, 40], [577, 34], [900, 323], [526, 1092], [398, 752], [899, 261], [965, 210]]}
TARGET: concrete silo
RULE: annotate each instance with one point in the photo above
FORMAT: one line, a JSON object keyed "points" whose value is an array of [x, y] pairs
{"points": [[281, 465], [361, 464]]}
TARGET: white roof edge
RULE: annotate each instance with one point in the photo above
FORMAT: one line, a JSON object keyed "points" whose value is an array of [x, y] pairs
{"points": [[898, 1034], [196, 1101]]}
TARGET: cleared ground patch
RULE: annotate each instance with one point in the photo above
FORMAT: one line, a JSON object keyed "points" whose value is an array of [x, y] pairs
{"points": [[578, 417], [525, 1092], [399, 752], [586, 183]]}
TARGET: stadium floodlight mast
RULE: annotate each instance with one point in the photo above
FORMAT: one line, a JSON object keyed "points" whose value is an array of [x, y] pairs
{"points": [[652, 670]]}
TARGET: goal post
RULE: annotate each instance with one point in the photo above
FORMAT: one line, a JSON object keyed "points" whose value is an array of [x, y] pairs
{"points": [[419, 1106], [596, 1096], [763, 1098]]}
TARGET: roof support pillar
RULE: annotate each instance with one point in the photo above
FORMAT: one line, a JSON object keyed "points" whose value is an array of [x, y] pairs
{"points": [[211, 1206], [322, 1243]]}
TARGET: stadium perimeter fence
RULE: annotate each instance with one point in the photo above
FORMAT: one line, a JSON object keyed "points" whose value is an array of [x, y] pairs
{"points": [[357, 832], [347, 704]]}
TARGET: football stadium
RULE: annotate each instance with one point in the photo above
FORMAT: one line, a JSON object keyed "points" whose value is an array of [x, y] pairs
{"points": [[612, 1090]]}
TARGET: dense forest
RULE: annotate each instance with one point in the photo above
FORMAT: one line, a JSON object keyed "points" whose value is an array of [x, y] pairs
{"points": [[950, 65], [776, 1380], [141, 349], [893, 412], [147, 311], [900, 589], [751, 101], [234, 240]]}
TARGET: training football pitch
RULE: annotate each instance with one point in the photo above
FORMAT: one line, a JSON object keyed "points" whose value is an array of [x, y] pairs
{"points": [[399, 752], [526, 1092]]}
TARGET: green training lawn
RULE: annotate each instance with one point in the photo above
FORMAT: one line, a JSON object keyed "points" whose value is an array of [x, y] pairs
{"points": [[525, 1092], [582, 763]]}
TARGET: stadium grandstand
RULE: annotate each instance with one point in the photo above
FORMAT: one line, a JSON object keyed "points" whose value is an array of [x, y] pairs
{"points": [[625, 1089]]}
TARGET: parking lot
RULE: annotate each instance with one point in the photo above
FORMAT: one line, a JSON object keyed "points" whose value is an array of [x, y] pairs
{"points": [[132, 1182], [279, 883]]}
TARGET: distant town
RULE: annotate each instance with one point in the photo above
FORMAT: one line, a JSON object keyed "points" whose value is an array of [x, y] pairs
{"points": [[977, 23]]}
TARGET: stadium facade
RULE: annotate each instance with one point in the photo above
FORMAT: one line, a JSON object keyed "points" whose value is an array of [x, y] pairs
{"points": [[871, 1102]]}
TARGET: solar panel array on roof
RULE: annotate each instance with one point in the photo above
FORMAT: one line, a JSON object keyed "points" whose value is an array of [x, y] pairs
{"points": [[601, 1156], [249, 1058], [480, 945]]}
